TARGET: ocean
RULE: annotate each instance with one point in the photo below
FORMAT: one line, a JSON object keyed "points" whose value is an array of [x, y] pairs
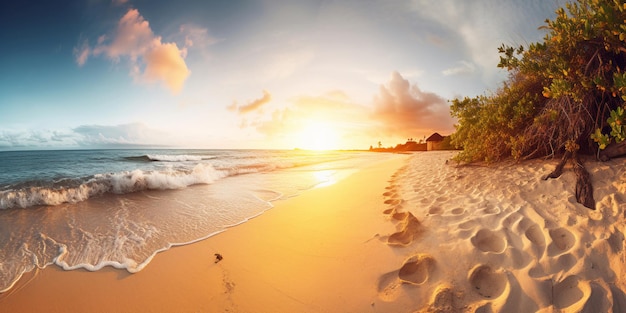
{"points": [[95, 208]]}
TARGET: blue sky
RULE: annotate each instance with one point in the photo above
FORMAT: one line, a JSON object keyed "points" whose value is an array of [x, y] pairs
{"points": [[247, 74]]}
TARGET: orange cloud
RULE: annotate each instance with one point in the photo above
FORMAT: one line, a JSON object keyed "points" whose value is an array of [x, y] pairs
{"points": [[253, 105], [165, 62], [150, 59], [406, 110], [133, 38]]}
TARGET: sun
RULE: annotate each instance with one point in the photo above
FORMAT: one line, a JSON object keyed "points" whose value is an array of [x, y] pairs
{"points": [[318, 136]]}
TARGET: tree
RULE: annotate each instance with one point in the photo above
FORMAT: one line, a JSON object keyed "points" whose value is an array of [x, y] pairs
{"points": [[559, 94]]}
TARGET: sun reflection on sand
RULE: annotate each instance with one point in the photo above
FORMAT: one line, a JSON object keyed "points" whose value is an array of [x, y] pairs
{"points": [[325, 178]]}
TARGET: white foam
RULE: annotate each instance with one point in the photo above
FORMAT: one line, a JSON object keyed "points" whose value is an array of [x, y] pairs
{"points": [[178, 158], [119, 183]]}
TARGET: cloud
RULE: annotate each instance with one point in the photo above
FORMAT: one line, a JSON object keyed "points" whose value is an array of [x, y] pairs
{"points": [[405, 110], [82, 53], [399, 110], [479, 27], [132, 134], [463, 68], [252, 105], [194, 36], [165, 63], [32, 139], [150, 60]]}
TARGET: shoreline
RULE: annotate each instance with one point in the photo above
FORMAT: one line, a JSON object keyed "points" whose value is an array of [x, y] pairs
{"points": [[409, 234], [263, 258]]}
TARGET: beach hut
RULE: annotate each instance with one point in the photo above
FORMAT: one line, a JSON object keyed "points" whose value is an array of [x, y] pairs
{"points": [[434, 142]]}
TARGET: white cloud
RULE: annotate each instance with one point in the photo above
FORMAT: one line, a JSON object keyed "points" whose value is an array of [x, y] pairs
{"points": [[31, 139], [87, 136], [483, 25], [82, 53], [463, 67], [118, 135]]}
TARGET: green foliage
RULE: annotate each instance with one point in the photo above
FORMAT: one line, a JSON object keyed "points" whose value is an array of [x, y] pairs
{"points": [[600, 138], [618, 130], [559, 92], [616, 121], [488, 126], [446, 144]]}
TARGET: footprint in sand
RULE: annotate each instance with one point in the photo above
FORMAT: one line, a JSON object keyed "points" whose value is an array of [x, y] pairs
{"points": [[443, 300], [491, 210], [393, 201], [562, 241], [489, 241], [457, 211], [409, 229], [435, 210], [393, 208], [389, 194], [568, 292], [467, 225], [487, 282], [473, 200], [389, 211], [417, 269], [442, 199], [565, 262], [598, 300], [511, 220], [619, 299], [535, 235], [399, 216], [616, 241]]}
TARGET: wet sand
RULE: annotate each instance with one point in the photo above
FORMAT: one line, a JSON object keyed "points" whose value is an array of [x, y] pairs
{"points": [[413, 234]]}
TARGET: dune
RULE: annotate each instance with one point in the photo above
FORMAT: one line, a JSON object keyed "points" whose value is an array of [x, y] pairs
{"points": [[414, 234]]}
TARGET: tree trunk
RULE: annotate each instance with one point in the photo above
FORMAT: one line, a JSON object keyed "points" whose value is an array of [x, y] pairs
{"points": [[584, 189], [559, 168], [613, 150]]}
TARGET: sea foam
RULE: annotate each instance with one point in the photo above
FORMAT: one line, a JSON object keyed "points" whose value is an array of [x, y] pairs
{"points": [[117, 183]]}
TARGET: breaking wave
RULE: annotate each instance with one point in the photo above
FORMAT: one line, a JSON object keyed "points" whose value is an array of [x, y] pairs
{"points": [[169, 158], [72, 191]]}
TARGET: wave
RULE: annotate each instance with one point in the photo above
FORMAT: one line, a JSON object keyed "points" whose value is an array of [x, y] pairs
{"points": [[115, 183], [169, 158], [76, 189]]}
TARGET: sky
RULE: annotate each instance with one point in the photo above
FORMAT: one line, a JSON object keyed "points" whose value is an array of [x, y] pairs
{"points": [[260, 74]]}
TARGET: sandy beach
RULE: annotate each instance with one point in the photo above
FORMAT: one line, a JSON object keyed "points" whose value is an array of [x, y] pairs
{"points": [[414, 234]]}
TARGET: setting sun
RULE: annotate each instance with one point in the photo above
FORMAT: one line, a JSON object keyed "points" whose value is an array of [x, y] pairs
{"points": [[318, 136]]}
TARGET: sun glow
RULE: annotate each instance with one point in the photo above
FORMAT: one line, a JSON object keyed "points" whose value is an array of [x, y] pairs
{"points": [[318, 136]]}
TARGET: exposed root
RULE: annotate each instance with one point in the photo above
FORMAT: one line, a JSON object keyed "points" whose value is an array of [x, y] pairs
{"points": [[584, 189]]}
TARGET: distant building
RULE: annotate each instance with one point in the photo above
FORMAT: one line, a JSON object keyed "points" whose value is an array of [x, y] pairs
{"points": [[434, 142]]}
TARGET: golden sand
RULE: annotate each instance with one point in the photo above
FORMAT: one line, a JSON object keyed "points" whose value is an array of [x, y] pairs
{"points": [[413, 234]]}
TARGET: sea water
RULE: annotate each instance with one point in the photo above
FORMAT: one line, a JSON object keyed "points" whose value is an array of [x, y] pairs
{"points": [[95, 208]]}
